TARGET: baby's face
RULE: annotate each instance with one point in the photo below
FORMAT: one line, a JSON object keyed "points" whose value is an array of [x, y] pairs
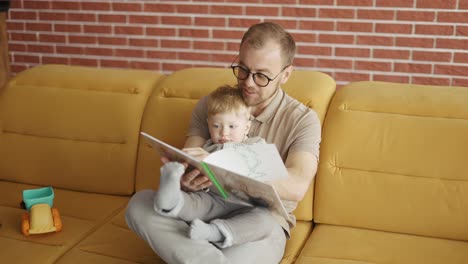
{"points": [[228, 127]]}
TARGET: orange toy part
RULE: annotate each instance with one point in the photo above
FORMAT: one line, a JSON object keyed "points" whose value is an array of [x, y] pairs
{"points": [[25, 224], [57, 220]]}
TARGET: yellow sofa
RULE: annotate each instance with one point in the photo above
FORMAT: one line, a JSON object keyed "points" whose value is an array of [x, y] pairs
{"points": [[391, 186]]}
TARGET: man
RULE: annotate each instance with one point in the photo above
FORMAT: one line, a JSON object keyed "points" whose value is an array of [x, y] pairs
{"points": [[264, 64]]}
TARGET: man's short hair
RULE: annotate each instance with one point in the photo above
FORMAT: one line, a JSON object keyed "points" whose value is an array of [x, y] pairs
{"points": [[259, 34], [227, 99]]}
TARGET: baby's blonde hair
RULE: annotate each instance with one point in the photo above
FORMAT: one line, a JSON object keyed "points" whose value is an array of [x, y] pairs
{"points": [[226, 99]]}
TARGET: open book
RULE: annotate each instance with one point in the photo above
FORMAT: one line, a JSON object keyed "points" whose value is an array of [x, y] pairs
{"points": [[239, 170]]}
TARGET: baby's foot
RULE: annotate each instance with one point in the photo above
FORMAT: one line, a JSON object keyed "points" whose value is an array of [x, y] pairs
{"points": [[200, 230], [168, 195]]}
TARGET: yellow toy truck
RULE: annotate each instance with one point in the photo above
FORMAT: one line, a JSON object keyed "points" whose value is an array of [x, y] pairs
{"points": [[41, 216]]}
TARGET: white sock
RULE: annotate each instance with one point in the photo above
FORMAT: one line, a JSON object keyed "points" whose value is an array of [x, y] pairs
{"points": [[200, 230], [168, 195]]}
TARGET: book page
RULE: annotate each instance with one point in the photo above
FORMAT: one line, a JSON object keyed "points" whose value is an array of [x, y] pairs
{"points": [[258, 161]]}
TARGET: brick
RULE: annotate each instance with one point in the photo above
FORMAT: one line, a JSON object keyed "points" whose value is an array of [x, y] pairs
{"points": [[70, 50], [97, 29], [152, 43], [414, 42], [210, 21], [261, 11], [282, 2], [18, 68], [194, 56], [183, 44], [314, 50], [32, 4], [71, 28], [226, 10], [376, 14], [22, 15], [338, 39], [54, 60], [160, 8], [304, 62], [391, 54], [336, 13], [81, 17], [460, 82], [394, 3], [208, 45], [412, 68], [222, 57], [65, 5], [114, 63], [23, 36], [461, 57], [48, 16], [52, 38], [112, 18], [394, 28], [354, 26], [316, 2], [454, 17], [460, 70], [351, 77], [299, 12], [157, 54], [445, 4], [352, 52], [13, 47], [317, 25], [390, 78], [98, 51], [194, 33], [242, 23], [335, 63], [434, 30], [461, 30], [141, 19], [122, 41], [355, 2], [82, 39], [175, 66], [145, 65], [288, 24], [26, 58], [12, 25], [375, 40], [128, 30], [427, 80], [192, 9], [452, 44], [305, 37], [136, 53], [228, 34], [127, 7], [373, 66], [462, 4], [98, 6], [174, 20], [432, 56], [415, 15], [160, 31], [84, 62], [38, 26], [38, 48]]}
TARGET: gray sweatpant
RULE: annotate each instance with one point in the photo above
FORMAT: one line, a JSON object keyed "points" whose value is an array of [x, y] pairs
{"points": [[168, 236]]}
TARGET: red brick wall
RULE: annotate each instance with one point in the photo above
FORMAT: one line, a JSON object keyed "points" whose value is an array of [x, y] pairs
{"points": [[415, 41]]}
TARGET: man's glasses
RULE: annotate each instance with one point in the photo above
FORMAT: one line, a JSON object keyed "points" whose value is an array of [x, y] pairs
{"points": [[260, 79]]}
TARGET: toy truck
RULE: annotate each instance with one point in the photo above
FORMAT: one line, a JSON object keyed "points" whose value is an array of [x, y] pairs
{"points": [[40, 217]]}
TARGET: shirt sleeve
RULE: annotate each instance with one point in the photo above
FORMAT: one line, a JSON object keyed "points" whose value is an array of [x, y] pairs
{"points": [[198, 123], [308, 135]]}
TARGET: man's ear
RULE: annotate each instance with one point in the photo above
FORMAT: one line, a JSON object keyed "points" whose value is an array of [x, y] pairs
{"points": [[286, 74]]}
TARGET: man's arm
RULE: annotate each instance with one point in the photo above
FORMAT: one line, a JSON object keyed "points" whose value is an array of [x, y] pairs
{"points": [[301, 166]]}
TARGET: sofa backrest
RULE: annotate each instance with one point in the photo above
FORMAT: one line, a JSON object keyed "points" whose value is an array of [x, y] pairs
{"points": [[73, 127], [393, 158], [168, 112]]}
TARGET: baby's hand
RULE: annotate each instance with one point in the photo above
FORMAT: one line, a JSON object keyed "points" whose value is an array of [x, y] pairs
{"points": [[197, 153]]}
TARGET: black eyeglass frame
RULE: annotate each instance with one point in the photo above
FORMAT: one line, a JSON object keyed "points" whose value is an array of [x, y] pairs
{"points": [[234, 67]]}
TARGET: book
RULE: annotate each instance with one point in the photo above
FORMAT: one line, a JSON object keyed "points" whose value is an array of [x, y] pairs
{"points": [[240, 170]]}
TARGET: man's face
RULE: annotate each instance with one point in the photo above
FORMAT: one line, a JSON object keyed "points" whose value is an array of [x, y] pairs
{"points": [[266, 60]]}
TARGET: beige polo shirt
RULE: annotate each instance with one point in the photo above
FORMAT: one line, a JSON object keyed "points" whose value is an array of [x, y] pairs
{"points": [[285, 122]]}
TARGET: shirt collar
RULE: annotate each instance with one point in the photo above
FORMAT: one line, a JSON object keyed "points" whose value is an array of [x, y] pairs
{"points": [[271, 108]]}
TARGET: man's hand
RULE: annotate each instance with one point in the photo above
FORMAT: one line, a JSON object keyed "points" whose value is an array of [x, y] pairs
{"points": [[198, 153], [193, 180]]}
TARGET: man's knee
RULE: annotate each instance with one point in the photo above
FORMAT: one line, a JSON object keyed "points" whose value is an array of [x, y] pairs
{"points": [[139, 205]]}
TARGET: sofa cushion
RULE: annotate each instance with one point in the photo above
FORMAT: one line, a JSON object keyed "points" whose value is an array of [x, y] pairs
{"points": [[81, 214], [330, 244], [167, 115], [393, 158], [73, 127]]}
